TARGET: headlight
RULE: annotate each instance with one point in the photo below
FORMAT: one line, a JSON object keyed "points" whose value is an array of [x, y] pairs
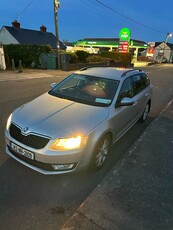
{"points": [[69, 143], [9, 122]]}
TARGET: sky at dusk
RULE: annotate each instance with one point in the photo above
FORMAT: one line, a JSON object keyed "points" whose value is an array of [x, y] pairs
{"points": [[148, 20]]}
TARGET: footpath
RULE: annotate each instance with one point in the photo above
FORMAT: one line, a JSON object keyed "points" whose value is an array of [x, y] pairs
{"points": [[31, 74], [137, 194]]}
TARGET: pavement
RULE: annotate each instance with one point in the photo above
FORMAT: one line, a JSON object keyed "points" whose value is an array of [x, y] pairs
{"points": [[141, 64], [136, 194], [9, 75]]}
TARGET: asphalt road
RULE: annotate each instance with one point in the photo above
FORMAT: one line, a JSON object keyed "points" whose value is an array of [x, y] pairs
{"points": [[29, 200]]}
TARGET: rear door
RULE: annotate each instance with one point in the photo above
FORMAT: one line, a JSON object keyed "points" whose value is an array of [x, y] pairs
{"points": [[123, 116], [140, 94]]}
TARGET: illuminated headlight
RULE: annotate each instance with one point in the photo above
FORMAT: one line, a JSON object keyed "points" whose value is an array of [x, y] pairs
{"points": [[9, 122], [69, 143]]}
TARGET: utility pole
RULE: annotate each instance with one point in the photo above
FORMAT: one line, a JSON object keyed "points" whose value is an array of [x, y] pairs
{"points": [[56, 4]]}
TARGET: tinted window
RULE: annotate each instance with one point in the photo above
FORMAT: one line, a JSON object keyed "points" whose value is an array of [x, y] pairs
{"points": [[146, 79], [138, 83]]}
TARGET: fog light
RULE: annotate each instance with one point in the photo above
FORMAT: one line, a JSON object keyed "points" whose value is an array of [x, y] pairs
{"points": [[63, 166]]}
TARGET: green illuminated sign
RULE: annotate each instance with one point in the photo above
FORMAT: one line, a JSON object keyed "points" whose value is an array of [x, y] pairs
{"points": [[97, 43], [124, 34]]}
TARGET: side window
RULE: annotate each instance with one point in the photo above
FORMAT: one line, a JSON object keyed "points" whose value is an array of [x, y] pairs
{"points": [[138, 83], [126, 90], [146, 80]]}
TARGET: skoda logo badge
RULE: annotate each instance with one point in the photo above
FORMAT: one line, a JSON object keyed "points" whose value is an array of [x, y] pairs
{"points": [[25, 130]]}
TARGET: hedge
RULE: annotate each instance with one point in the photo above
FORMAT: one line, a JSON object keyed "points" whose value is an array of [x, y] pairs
{"points": [[82, 55], [124, 58], [94, 58], [28, 54]]}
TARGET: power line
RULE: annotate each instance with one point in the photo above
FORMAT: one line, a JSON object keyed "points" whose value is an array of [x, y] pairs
{"points": [[128, 18], [96, 5], [26, 7]]}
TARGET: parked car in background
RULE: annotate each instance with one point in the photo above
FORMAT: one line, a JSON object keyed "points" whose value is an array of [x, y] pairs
{"points": [[73, 126]]}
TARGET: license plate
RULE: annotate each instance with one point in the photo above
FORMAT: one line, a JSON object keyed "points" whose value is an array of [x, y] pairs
{"points": [[22, 151]]}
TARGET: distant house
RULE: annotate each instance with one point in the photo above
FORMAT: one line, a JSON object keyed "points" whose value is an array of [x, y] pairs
{"points": [[16, 35], [163, 51], [69, 45]]}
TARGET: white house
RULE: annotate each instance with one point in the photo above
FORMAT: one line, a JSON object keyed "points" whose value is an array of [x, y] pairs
{"points": [[16, 35], [2, 59], [163, 51]]}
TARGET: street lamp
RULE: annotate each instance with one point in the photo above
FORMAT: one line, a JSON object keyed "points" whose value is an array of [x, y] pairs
{"points": [[56, 7], [166, 40], [167, 36]]}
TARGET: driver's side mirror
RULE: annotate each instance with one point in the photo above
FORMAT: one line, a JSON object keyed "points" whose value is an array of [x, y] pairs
{"points": [[52, 85]]}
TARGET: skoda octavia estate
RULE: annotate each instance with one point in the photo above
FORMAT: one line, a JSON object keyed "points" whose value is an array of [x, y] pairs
{"points": [[73, 126]]}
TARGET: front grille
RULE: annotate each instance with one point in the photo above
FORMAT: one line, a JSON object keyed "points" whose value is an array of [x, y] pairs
{"points": [[31, 140]]}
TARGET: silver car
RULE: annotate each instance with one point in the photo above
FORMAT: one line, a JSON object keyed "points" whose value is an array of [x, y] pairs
{"points": [[73, 126]]}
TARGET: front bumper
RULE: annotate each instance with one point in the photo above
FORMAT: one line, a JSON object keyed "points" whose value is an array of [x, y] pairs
{"points": [[44, 159], [40, 167]]}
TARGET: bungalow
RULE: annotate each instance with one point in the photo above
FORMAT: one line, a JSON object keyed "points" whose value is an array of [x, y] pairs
{"points": [[16, 35]]}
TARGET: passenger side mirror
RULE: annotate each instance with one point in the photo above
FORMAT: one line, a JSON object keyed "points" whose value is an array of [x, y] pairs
{"points": [[126, 101]]}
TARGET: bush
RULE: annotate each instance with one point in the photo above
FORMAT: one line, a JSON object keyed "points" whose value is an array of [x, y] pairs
{"points": [[82, 55], [73, 57], [26, 53], [94, 58]]}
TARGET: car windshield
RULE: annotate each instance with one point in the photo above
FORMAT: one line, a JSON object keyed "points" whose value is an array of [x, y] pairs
{"points": [[86, 89]]}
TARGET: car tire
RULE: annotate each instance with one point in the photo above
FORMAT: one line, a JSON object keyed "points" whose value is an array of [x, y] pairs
{"points": [[101, 153], [145, 113]]}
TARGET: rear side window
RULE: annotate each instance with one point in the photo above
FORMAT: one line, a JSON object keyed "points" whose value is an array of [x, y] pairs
{"points": [[146, 79], [139, 83]]}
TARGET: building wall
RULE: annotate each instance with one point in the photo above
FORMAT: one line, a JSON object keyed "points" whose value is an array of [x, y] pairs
{"points": [[6, 37], [2, 59], [162, 51], [90, 50]]}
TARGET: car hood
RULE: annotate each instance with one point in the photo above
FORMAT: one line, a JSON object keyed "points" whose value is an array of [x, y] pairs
{"points": [[56, 117]]}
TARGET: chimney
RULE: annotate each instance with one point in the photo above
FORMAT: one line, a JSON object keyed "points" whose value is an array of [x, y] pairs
{"points": [[16, 24], [43, 28]]}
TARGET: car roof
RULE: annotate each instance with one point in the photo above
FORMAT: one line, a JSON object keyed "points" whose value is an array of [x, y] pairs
{"points": [[107, 72]]}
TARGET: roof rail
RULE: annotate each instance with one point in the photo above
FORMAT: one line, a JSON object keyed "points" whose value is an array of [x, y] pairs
{"points": [[84, 68], [130, 71], [94, 66]]}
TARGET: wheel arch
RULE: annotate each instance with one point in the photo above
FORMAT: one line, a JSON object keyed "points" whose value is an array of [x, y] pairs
{"points": [[110, 134]]}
